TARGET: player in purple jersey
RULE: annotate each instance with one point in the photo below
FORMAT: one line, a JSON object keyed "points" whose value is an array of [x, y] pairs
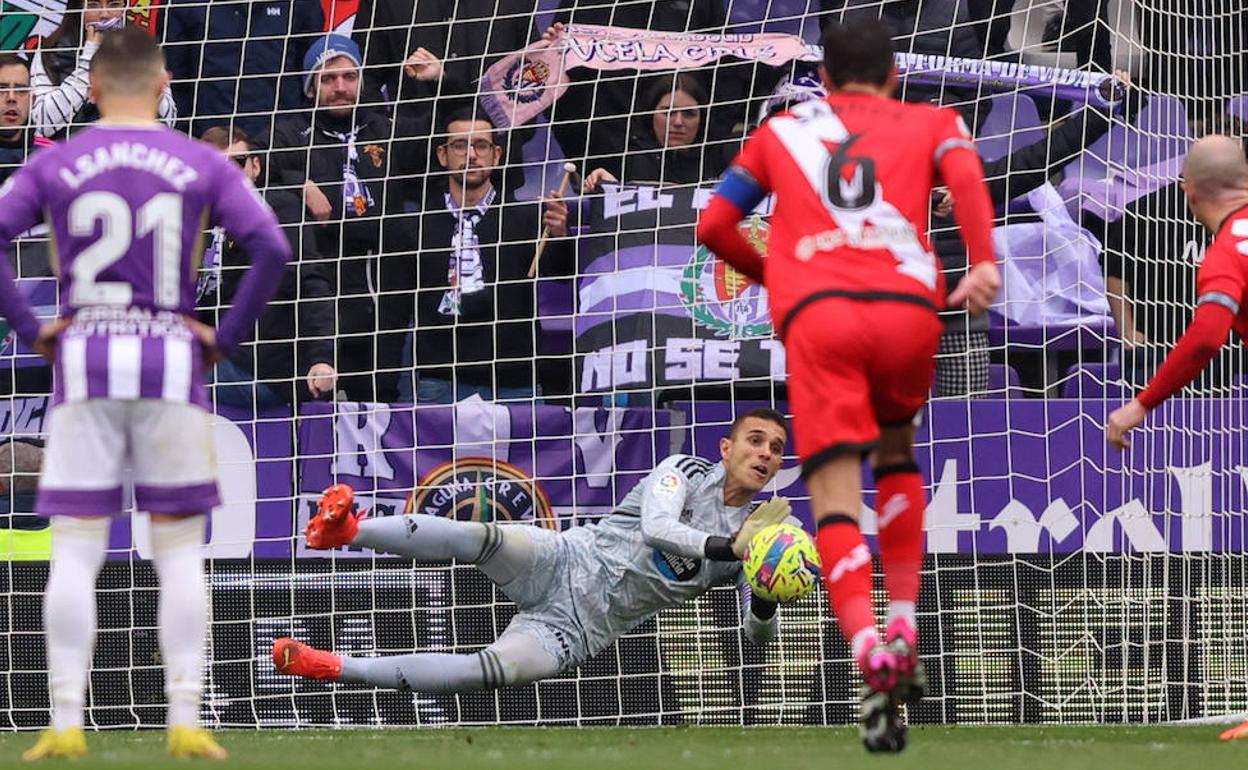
{"points": [[127, 202]]}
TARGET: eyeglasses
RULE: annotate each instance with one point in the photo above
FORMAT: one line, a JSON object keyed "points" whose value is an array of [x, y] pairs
{"points": [[17, 88], [480, 147]]}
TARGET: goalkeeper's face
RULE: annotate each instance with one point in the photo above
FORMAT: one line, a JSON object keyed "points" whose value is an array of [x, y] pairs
{"points": [[753, 454]]}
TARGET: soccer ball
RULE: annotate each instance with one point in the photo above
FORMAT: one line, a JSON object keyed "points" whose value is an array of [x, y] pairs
{"points": [[781, 563]]}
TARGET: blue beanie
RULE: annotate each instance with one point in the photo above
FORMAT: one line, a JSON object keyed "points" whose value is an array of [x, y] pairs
{"points": [[323, 50]]}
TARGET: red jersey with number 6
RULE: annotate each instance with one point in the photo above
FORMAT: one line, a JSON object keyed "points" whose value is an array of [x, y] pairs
{"points": [[852, 176]]}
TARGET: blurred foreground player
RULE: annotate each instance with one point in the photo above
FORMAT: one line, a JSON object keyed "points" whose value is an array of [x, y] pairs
{"points": [[681, 531], [854, 289], [127, 202]]}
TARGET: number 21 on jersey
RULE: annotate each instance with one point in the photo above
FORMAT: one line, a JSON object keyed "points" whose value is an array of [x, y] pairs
{"points": [[160, 217]]}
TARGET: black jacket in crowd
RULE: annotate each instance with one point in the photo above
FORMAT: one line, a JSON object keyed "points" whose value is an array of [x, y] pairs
{"points": [[1155, 248], [493, 340], [648, 161], [13, 152], [467, 35], [305, 147], [302, 309], [209, 47]]}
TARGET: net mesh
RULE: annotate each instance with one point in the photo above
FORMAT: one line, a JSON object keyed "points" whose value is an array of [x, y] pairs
{"points": [[1064, 583]]}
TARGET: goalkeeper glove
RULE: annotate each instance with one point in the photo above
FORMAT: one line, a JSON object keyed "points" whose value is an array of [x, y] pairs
{"points": [[774, 511]]}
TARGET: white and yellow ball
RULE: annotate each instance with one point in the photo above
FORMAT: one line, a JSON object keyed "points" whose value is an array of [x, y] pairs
{"points": [[782, 564]]}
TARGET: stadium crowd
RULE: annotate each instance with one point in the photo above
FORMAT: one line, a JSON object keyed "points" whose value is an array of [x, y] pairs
{"points": [[414, 219]]}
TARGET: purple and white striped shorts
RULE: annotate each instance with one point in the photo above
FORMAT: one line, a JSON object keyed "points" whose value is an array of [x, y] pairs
{"points": [[166, 447]]}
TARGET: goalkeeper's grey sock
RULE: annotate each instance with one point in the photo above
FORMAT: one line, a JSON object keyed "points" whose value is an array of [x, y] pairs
{"points": [[516, 657], [430, 538], [426, 672]]}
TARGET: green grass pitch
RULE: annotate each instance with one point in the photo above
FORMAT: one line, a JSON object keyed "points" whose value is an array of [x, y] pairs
{"points": [[692, 748]]}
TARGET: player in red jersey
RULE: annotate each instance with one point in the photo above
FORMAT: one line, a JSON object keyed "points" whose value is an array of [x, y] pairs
{"points": [[854, 289], [1215, 180]]}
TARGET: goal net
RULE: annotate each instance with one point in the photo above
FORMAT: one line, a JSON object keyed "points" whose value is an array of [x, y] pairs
{"points": [[1064, 582]]}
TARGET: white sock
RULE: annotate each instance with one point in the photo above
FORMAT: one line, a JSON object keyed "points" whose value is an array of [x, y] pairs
{"points": [[905, 610], [177, 548], [863, 640], [78, 546]]}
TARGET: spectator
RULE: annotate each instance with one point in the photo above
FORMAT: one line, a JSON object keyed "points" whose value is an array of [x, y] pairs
{"points": [[591, 120], [667, 144], [16, 138], [962, 361], [238, 61], [416, 53], [468, 290], [293, 341], [1151, 254], [992, 19], [1082, 27], [29, 255], [350, 174], [59, 69]]}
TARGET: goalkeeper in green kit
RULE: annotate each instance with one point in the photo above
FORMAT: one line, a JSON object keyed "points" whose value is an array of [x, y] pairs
{"points": [[681, 531]]}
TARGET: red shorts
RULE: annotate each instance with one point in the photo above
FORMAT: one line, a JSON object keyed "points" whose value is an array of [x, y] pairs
{"points": [[855, 365]]}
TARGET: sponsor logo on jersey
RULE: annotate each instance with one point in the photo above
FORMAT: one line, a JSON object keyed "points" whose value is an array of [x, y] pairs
{"points": [[481, 489], [723, 300], [676, 568], [526, 80]]}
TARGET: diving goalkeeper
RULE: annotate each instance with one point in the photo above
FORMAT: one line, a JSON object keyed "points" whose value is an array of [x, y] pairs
{"points": [[681, 531]]}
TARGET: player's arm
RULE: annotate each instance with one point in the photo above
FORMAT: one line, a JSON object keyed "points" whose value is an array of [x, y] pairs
{"points": [[744, 186], [761, 618], [21, 206], [1203, 339], [963, 173], [252, 224], [661, 507], [1221, 287]]}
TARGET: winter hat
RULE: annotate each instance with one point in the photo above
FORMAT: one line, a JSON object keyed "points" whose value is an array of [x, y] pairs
{"points": [[323, 50]]}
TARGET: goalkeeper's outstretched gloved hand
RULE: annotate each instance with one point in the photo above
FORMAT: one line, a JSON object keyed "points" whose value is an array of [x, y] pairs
{"points": [[774, 511]]}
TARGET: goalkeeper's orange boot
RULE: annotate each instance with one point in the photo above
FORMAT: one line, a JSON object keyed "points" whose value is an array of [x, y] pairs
{"points": [[336, 521], [298, 659], [1236, 733]]}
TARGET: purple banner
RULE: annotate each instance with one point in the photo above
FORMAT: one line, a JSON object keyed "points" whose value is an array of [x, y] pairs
{"points": [[656, 309], [1034, 476], [479, 461], [1005, 477]]}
